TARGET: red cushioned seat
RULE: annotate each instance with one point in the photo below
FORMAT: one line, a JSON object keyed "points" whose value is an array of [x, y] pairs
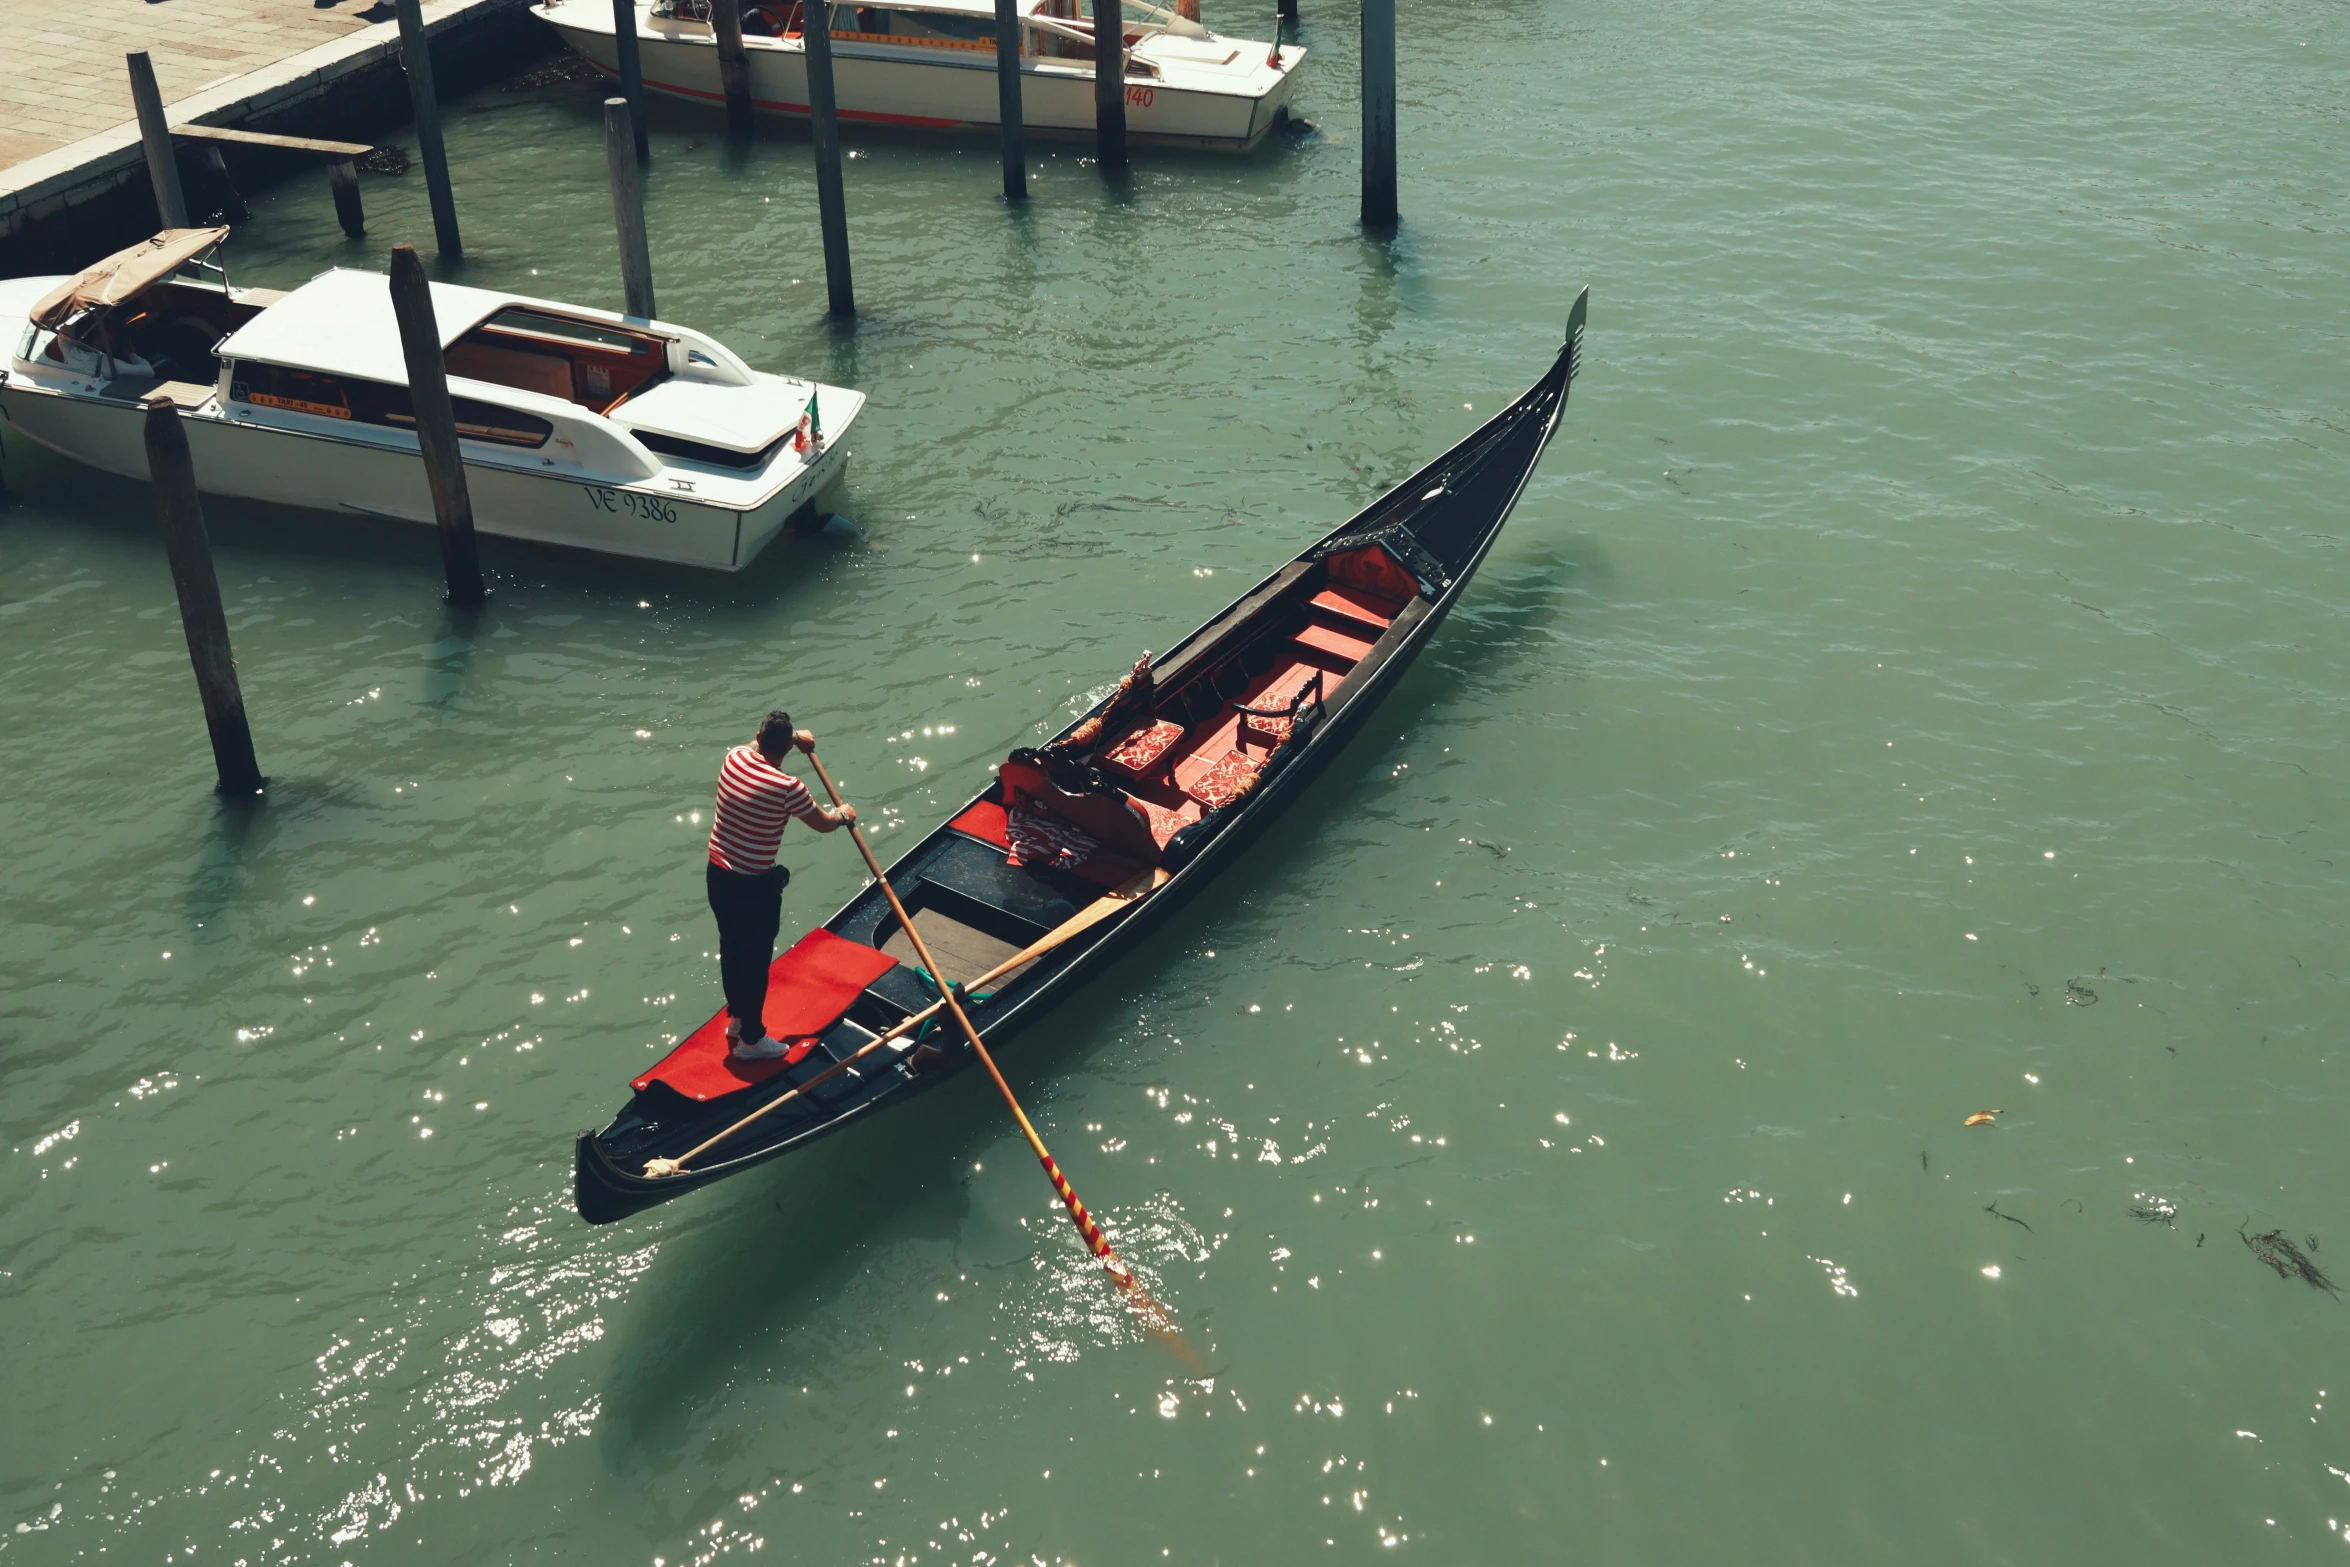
{"points": [[1140, 751], [808, 989], [985, 820]]}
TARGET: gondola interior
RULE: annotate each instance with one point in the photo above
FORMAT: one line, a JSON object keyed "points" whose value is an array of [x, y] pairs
{"points": [[1186, 758]]}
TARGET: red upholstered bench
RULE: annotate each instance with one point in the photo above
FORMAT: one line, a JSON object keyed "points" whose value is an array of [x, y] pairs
{"points": [[984, 820]]}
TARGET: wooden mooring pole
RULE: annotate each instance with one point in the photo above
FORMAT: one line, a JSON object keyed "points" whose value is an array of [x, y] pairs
{"points": [[1379, 114], [824, 139], [1284, 11], [181, 516], [1007, 98], [436, 424], [1109, 84], [628, 209], [342, 176], [632, 74], [734, 67], [416, 58], [163, 168]]}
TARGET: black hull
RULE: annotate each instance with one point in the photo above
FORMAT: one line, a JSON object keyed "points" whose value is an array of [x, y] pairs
{"points": [[1442, 520]]}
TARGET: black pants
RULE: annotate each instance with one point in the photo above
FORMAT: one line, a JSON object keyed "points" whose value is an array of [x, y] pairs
{"points": [[749, 910]]}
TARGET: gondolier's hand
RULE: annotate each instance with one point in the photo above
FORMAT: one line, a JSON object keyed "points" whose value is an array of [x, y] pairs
{"points": [[805, 739], [837, 817]]}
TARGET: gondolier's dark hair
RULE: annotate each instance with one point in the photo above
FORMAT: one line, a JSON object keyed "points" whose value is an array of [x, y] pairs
{"points": [[775, 734]]}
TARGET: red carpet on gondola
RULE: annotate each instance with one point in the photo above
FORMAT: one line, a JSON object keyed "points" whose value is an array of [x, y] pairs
{"points": [[807, 990]]}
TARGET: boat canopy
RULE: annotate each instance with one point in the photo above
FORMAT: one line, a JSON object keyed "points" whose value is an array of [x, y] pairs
{"points": [[341, 323], [124, 275]]}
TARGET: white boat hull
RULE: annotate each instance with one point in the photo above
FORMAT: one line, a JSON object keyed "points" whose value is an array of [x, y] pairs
{"points": [[383, 476], [955, 90]]}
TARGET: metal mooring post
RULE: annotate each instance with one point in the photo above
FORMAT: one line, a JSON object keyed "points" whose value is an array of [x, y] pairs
{"points": [[734, 69], [1379, 114], [824, 139], [181, 515], [1109, 84], [163, 169], [436, 424], [1007, 98], [628, 209], [632, 74], [416, 58]]}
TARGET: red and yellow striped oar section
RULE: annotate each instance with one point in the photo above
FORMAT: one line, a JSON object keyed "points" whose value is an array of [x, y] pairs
{"points": [[1153, 1313]]}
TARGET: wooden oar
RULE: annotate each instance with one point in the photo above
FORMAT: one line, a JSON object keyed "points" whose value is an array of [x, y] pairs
{"points": [[1112, 1264], [1076, 925]]}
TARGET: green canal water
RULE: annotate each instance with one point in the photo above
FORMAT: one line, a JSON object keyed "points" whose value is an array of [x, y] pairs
{"points": [[1913, 686]]}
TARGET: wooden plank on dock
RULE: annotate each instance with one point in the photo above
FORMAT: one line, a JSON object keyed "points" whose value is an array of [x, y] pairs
{"points": [[331, 149]]}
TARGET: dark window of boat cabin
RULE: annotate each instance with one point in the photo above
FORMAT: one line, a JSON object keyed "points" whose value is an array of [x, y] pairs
{"points": [[939, 29], [592, 363], [377, 402]]}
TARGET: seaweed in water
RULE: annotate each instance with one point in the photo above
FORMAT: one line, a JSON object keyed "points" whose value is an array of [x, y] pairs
{"points": [[384, 160], [564, 67], [2155, 1210], [2287, 1260]]}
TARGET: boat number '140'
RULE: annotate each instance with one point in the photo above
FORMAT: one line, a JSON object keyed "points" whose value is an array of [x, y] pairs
{"points": [[648, 507], [1141, 97]]}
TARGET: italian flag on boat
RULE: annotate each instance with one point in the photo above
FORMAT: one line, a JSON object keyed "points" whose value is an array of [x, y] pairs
{"points": [[809, 437]]}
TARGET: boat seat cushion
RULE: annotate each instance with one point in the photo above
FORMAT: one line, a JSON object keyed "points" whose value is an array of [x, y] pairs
{"points": [[1140, 751], [808, 989], [986, 821], [1225, 782], [1109, 818]]}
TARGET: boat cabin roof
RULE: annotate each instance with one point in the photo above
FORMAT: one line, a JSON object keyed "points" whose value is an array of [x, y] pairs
{"points": [[341, 323]]}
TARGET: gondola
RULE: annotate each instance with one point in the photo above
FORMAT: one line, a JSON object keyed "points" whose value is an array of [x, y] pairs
{"points": [[1085, 845]]}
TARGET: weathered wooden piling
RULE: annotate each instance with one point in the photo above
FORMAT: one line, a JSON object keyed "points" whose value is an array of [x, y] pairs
{"points": [[416, 59], [632, 74], [181, 516], [1007, 98], [436, 424], [1109, 84], [342, 176], [163, 169], [1379, 114], [824, 139], [232, 208], [628, 209], [734, 67]]}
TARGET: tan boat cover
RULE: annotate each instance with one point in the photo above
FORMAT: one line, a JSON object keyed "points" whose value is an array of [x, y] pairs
{"points": [[124, 274]]}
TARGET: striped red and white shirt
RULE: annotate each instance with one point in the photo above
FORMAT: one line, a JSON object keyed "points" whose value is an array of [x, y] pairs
{"points": [[754, 799]]}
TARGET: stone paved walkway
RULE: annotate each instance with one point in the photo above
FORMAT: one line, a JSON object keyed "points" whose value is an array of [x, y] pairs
{"points": [[65, 78]]}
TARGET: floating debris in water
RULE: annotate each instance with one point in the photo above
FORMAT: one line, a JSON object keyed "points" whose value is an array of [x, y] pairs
{"points": [[385, 160], [1992, 1208], [565, 67], [2154, 1210], [1984, 1118], [2077, 994], [2288, 1260]]}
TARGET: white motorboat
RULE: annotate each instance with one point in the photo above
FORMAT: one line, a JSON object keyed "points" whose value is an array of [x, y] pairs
{"points": [[579, 427], [932, 63]]}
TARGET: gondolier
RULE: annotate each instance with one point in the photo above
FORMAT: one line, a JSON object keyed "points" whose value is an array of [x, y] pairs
{"points": [[756, 797]]}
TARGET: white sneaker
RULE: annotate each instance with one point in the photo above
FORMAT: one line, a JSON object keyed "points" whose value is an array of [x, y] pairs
{"points": [[760, 1049]]}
